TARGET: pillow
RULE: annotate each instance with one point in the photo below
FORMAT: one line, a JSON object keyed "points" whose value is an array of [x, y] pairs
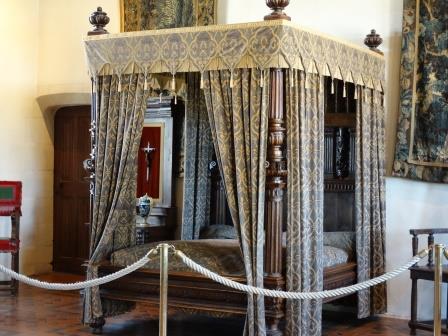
{"points": [[344, 240], [218, 231]]}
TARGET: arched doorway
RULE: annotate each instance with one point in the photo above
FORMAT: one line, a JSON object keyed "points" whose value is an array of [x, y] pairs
{"points": [[71, 189]]}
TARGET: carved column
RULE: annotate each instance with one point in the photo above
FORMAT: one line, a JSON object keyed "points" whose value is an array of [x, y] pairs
{"points": [[341, 152], [275, 188]]}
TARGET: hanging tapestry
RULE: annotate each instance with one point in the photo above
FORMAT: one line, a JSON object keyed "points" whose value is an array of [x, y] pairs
{"points": [[139, 15], [422, 140]]}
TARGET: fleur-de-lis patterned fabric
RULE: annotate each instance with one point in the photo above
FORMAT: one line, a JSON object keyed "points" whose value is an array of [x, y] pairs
{"points": [[139, 15], [120, 106], [305, 150], [263, 45], [370, 199], [421, 151], [198, 155], [239, 120]]}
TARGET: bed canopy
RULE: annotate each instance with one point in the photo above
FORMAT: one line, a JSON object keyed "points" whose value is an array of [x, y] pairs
{"points": [[258, 45], [263, 85]]}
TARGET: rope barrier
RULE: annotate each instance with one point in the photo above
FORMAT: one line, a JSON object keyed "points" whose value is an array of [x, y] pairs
{"points": [[215, 277], [298, 295], [81, 284]]}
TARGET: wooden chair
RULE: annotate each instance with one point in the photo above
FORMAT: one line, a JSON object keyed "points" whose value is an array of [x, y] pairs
{"points": [[424, 273], [10, 206]]}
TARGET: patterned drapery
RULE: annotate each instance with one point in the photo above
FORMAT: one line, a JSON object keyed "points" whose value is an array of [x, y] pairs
{"points": [[263, 45], [238, 116], [370, 199], [198, 155], [422, 139], [305, 150], [120, 106], [137, 15]]}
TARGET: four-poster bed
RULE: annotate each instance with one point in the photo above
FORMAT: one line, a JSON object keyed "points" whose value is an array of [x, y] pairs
{"points": [[274, 93]]}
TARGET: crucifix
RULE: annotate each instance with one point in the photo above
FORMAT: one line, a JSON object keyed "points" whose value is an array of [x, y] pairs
{"points": [[148, 157]]}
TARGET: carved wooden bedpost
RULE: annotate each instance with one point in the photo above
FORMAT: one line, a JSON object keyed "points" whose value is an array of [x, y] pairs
{"points": [[373, 41], [275, 188], [276, 174], [99, 19], [277, 7]]}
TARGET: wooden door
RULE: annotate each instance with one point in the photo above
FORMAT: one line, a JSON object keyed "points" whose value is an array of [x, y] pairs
{"points": [[71, 189]]}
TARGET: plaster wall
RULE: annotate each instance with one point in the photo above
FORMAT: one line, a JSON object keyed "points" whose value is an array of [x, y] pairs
{"points": [[43, 68], [62, 63], [26, 149]]}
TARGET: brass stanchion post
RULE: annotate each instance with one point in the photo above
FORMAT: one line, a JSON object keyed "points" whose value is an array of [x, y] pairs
{"points": [[163, 307], [438, 250]]}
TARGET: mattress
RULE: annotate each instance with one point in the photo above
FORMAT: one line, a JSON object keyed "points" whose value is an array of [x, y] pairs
{"points": [[223, 256]]}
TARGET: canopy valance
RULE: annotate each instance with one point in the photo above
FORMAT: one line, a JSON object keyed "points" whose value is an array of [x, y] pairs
{"points": [[267, 44]]}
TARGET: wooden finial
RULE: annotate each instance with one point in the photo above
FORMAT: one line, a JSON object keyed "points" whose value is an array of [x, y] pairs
{"points": [[373, 40], [277, 7], [99, 19]]}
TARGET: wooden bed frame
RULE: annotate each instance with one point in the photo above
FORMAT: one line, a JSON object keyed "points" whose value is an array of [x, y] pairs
{"points": [[190, 292], [193, 293]]}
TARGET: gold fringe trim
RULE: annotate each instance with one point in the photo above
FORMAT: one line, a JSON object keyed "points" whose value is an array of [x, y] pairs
{"points": [[145, 85], [291, 78], [307, 83], [173, 83]]}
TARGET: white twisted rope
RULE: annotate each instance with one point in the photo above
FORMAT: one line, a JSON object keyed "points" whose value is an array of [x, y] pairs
{"points": [[81, 284], [215, 277], [297, 295]]}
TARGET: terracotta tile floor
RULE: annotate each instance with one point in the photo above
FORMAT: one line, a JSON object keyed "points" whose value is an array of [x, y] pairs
{"points": [[41, 313]]}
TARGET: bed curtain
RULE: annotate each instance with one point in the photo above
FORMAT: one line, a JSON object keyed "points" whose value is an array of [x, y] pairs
{"points": [[198, 155], [305, 199], [120, 106], [370, 199], [237, 105]]}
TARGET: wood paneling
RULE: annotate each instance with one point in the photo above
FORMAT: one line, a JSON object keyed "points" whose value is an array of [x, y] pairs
{"points": [[71, 189]]}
